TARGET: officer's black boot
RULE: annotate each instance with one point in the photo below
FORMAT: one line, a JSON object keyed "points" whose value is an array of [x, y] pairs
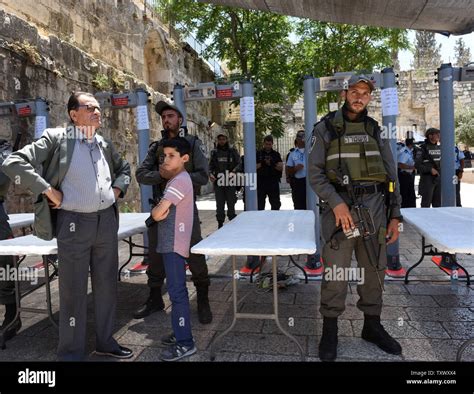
{"points": [[328, 344], [374, 332], [220, 223], [204, 309], [10, 313], [154, 303]]}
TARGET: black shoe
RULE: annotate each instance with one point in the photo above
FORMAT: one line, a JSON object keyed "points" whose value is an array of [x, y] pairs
{"points": [[374, 332], [204, 309], [122, 352], [12, 331], [328, 344], [153, 304], [219, 225]]}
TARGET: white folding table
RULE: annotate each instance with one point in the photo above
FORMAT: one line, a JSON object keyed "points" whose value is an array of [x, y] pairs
{"points": [[443, 230], [130, 224], [261, 233], [20, 219]]}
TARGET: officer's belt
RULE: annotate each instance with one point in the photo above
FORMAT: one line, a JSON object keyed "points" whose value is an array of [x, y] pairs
{"points": [[362, 189]]}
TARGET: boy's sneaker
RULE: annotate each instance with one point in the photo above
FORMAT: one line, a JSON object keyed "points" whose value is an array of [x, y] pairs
{"points": [[176, 352], [168, 340]]}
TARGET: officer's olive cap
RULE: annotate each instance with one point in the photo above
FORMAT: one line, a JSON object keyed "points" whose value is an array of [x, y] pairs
{"points": [[432, 130], [355, 79], [163, 105]]}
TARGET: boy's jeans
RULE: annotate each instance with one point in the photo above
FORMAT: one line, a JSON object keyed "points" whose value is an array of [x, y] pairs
{"points": [[176, 282]]}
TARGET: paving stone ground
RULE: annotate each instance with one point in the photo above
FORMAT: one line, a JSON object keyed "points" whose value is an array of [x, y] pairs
{"points": [[431, 316]]}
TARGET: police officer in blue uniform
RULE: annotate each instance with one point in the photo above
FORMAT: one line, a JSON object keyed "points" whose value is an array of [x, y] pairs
{"points": [[406, 174], [296, 168]]}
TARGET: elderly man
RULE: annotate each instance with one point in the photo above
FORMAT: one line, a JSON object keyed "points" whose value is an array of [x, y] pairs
{"points": [[82, 177]]}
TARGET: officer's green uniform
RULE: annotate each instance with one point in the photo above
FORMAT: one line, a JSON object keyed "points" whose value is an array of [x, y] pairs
{"points": [[370, 163], [428, 157], [224, 160]]}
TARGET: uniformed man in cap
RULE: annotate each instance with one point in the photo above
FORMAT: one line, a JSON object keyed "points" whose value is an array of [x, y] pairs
{"points": [[349, 160], [406, 174], [223, 167], [150, 172], [427, 162]]}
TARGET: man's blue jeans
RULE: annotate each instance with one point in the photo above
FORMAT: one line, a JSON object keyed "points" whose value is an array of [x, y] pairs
{"points": [[175, 267]]}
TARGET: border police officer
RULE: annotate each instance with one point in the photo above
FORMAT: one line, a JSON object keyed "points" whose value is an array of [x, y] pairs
{"points": [[349, 139], [223, 166], [427, 162]]}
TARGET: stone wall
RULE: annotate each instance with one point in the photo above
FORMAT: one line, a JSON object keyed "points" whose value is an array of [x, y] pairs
{"points": [[49, 48], [418, 100]]}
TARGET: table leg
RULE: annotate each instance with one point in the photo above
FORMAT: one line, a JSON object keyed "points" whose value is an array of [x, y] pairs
{"points": [[130, 250], [423, 246], [275, 307], [237, 315], [467, 274], [48, 291], [235, 274], [301, 269]]}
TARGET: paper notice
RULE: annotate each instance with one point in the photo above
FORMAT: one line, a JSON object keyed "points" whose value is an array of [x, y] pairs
{"points": [[40, 125], [389, 101], [247, 110], [142, 117]]}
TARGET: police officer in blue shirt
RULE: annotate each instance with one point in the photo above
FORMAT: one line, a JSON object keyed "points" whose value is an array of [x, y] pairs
{"points": [[406, 174], [296, 168], [459, 167]]}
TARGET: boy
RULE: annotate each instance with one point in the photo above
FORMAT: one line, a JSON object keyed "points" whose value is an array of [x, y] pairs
{"points": [[174, 215]]}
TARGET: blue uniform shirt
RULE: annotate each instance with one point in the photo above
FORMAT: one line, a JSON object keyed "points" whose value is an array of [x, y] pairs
{"points": [[405, 156], [458, 156], [297, 157]]}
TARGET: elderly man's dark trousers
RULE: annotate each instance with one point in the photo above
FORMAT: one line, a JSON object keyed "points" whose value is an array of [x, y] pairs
{"points": [[86, 241]]}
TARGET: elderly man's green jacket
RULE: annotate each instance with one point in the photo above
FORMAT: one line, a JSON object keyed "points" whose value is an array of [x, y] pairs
{"points": [[46, 161]]}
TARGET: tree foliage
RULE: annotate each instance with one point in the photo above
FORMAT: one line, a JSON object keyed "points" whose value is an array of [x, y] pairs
{"points": [[427, 51], [276, 51], [464, 125], [462, 53], [327, 48]]}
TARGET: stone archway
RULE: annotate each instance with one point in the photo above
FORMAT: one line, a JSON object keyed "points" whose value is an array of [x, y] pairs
{"points": [[157, 64]]}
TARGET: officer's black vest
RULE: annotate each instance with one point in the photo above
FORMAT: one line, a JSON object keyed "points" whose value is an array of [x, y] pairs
{"points": [[223, 160], [432, 153]]}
